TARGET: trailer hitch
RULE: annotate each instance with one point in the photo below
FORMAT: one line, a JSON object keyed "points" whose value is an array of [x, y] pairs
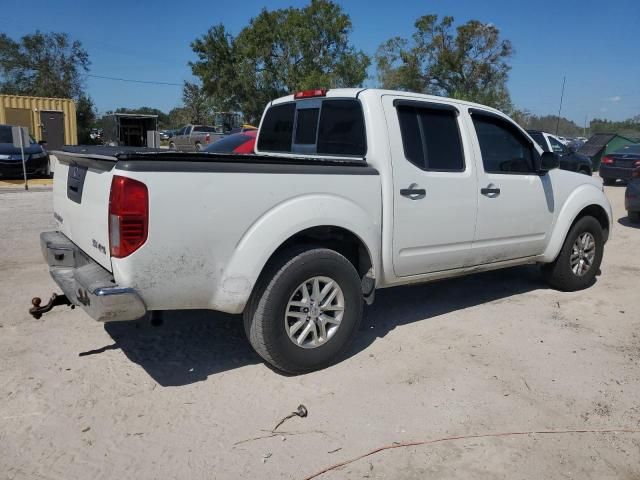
{"points": [[36, 311]]}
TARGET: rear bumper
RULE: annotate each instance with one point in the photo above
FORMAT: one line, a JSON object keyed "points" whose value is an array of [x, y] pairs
{"points": [[621, 173], [86, 284]]}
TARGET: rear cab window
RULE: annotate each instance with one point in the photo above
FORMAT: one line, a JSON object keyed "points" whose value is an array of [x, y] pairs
{"points": [[430, 136], [324, 127]]}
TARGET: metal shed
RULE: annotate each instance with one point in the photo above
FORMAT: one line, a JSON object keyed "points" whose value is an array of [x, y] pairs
{"points": [[601, 144], [49, 119]]}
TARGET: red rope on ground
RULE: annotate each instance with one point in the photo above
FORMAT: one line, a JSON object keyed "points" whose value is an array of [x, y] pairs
{"points": [[464, 437]]}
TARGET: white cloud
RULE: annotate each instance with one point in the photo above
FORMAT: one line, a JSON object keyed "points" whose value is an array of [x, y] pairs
{"points": [[615, 99]]}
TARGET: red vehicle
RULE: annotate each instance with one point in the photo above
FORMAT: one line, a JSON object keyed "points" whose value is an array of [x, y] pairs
{"points": [[242, 142]]}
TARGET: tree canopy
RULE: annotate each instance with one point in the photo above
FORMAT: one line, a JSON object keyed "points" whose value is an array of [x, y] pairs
{"points": [[468, 63], [42, 64], [278, 52]]}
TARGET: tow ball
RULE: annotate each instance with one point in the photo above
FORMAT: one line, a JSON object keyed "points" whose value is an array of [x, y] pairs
{"points": [[36, 311]]}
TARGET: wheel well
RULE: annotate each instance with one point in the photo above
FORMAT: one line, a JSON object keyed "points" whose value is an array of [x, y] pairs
{"points": [[339, 239], [597, 212]]}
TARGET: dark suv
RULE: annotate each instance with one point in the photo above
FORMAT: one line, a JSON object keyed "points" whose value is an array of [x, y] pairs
{"points": [[569, 159], [36, 159]]}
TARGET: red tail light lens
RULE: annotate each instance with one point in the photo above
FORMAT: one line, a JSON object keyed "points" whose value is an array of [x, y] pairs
{"points": [[607, 160], [316, 92], [636, 172], [207, 138], [128, 216]]}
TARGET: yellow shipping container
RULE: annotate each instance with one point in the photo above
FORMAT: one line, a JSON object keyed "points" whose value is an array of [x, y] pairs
{"points": [[50, 119]]}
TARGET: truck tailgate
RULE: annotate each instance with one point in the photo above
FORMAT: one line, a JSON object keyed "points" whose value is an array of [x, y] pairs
{"points": [[81, 188]]}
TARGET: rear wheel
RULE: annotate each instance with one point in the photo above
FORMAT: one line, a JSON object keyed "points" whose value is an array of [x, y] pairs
{"points": [[609, 181], [305, 310], [172, 146], [585, 171], [579, 259], [198, 147]]}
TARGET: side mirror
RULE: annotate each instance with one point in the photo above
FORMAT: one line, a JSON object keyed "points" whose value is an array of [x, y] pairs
{"points": [[548, 161]]}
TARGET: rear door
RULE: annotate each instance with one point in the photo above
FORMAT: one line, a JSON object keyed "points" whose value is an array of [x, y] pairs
{"points": [[515, 204], [434, 186], [52, 124], [81, 203]]}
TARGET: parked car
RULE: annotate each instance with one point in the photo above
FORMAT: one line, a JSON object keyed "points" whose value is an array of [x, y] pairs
{"points": [[164, 134], [235, 143], [632, 196], [350, 190], [620, 164], [192, 138], [569, 158], [36, 158]]}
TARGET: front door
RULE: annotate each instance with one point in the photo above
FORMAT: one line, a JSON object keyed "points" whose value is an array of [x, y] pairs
{"points": [[52, 124], [434, 187], [515, 203]]}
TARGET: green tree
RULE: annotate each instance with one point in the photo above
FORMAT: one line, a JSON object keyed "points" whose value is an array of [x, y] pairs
{"points": [[279, 52], [178, 117], [197, 103], [42, 64], [468, 63], [86, 118]]}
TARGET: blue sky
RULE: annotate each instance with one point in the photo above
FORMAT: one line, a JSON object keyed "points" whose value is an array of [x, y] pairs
{"points": [[595, 44]]}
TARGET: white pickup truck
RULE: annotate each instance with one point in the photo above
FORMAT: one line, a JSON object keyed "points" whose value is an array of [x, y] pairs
{"points": [[350, 190]]}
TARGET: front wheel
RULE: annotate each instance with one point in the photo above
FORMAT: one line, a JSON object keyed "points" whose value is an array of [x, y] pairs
{"points": [[305, 310], [579, 259]]}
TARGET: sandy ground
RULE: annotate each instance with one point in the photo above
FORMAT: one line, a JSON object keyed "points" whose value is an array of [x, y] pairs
{"points": [[496, 352]]}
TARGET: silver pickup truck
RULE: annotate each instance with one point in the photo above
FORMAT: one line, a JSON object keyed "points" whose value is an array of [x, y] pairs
{"points": [[193, 138]]}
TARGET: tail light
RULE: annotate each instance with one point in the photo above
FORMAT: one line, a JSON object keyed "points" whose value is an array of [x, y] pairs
{"points": [[636, 172], [207, 138], [316, 92], [637, 163], [607, 160], [128, 216]]}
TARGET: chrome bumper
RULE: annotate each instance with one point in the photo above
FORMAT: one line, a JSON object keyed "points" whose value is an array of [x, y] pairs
{"points": [[86, 284]]}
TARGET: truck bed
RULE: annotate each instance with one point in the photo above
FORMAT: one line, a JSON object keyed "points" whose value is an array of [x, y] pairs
{"points": [[213, 220]]}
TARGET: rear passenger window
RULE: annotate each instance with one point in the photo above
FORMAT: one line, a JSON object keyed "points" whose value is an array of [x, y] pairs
{"points": [[430, 138], [277, 128], [341, 130], [504, 149]]}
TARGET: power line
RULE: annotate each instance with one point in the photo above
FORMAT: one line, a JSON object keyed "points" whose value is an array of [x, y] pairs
{"points": [[104, 77], [152, 82]]}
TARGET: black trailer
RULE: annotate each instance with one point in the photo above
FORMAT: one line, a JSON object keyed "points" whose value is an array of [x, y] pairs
{"points": [[130, 130]]}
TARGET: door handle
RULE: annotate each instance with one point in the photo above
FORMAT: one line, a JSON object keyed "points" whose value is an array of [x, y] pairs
{"points": [[490, 191], [413, 192]]}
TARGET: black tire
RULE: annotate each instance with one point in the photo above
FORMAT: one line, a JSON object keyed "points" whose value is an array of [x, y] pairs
{"points": [[198, 147], [609, 181], [634, 217], [172, 146], [559, 274], [264, 316], [585, 171]]}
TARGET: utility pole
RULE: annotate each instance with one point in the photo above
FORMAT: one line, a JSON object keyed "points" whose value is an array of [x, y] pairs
{"points": [[584, 127], [560, 109]]}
